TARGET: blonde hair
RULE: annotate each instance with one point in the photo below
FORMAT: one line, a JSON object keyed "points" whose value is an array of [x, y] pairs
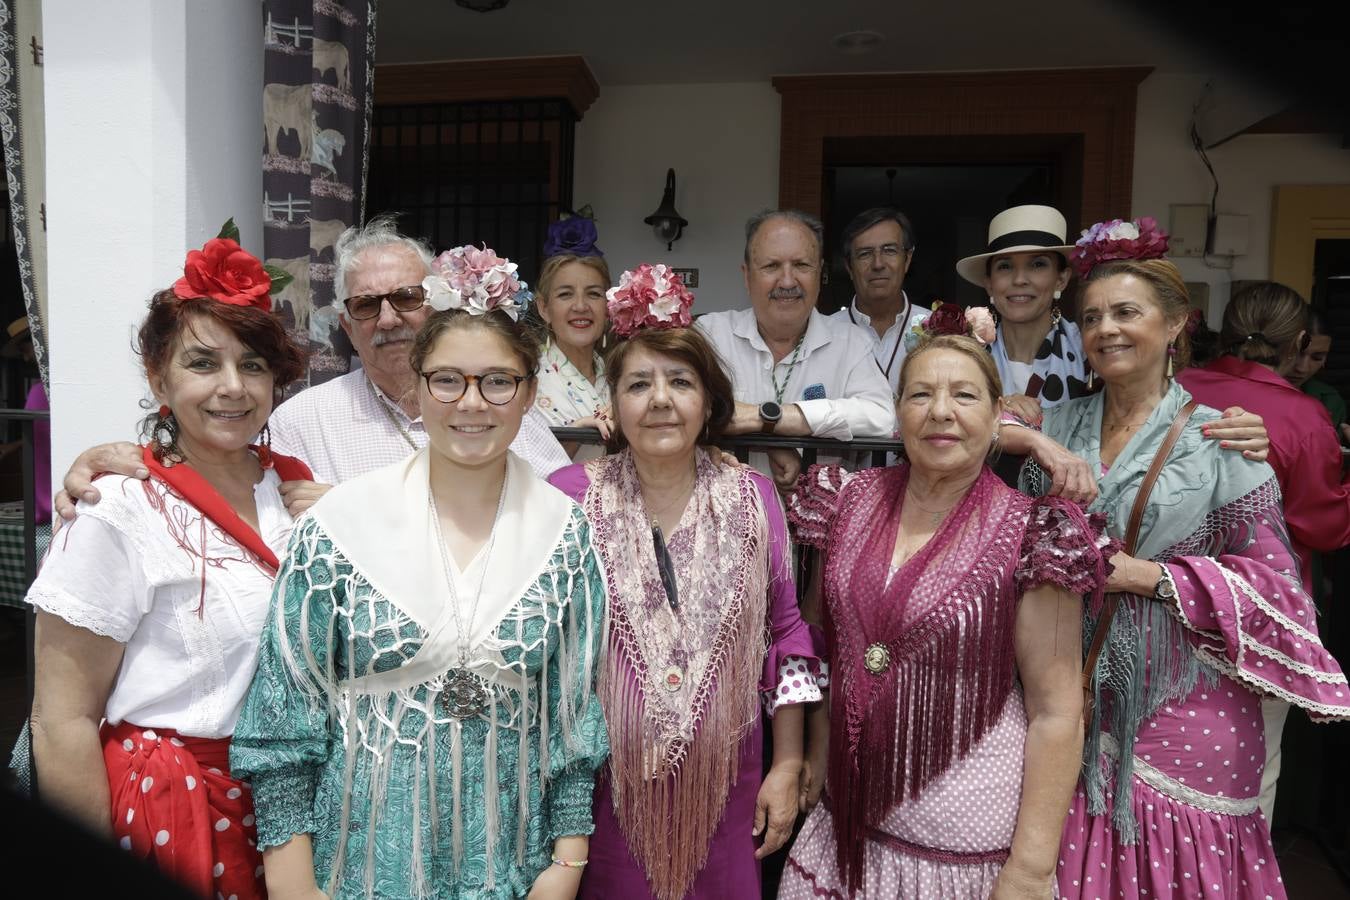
{"points": [[554, 264], [964, 345], [1167, 286]]}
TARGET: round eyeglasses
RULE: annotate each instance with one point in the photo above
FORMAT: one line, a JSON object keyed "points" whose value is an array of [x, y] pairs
{"points": [[404, 299], [497, 388]]}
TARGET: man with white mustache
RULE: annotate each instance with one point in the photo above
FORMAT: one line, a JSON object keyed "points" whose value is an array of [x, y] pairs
{"points": [[795, 371], [368, 418]]}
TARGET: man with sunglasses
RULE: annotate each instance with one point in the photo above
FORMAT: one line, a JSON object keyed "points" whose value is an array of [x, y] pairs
{"points": [[368, 418]]}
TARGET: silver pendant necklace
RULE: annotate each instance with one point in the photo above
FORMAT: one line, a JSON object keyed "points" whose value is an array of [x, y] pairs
{"points": [[389, 413], [464, 694]]}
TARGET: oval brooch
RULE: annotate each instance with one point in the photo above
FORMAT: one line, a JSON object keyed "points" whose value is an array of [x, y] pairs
{"points": [[877, 658]]}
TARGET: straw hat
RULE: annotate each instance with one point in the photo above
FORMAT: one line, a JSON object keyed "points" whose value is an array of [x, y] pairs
{"points": [[1022, 229]]}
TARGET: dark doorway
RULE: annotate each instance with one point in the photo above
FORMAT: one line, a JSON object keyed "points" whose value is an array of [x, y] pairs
{"points": [[1331, 295], [950, 188]]}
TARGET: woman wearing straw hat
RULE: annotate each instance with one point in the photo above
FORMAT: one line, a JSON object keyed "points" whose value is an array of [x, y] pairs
{"points": [[1025, 269]]}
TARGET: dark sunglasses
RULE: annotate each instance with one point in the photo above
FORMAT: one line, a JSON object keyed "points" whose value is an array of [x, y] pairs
{"points": [[404, 299]]}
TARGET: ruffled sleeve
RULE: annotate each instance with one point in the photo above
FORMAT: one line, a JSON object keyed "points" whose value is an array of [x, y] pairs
{"points": [[1064, 547], [814, 502], [794, 670]]}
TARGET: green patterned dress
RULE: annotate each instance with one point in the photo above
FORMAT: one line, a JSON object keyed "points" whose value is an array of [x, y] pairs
{"points": [[401, 799]]}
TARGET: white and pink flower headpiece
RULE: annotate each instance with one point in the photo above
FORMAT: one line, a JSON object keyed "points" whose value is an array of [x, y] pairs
{"points": [[476, 280], [1117, 239], [649, 297]]}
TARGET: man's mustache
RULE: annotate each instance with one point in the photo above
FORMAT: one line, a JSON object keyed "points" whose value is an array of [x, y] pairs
{"points": [[405, 333]]}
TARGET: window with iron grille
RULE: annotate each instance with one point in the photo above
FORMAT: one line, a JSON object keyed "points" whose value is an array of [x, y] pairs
{"points": [[493, 172]]}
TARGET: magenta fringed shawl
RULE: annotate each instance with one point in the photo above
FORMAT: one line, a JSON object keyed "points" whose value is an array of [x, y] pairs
{"points": [[945, 618]]}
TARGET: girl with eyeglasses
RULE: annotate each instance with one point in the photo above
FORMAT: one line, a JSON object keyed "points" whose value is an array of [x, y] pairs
{"points": [[424, 719]]}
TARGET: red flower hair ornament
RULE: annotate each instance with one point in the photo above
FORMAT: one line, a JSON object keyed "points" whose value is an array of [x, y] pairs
{"points": [[649, 297], [1117, 239], [227, 273]]}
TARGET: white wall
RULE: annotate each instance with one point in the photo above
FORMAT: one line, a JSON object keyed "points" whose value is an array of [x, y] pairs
{"points": [[1167, 170], [150, 147], [722, 141]]}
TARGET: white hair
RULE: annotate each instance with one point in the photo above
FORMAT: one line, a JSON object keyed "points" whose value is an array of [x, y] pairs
{"points": [[381, 231]]}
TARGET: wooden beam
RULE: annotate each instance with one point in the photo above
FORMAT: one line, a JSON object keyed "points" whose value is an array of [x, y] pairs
{"points": [[458, 81]]}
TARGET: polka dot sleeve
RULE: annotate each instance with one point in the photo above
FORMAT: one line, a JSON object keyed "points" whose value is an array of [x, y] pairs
{"points": [[1065, 548], [814, 502], [800, 680]]}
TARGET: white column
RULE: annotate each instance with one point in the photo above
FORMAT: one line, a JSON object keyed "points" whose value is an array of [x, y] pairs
{"points": [[154, 139]]}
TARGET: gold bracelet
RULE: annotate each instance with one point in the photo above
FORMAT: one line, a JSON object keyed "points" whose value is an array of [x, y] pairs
{"points": [[570, 863]]}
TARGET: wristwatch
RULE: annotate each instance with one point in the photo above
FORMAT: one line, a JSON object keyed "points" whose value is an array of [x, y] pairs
{"points": [[1166, 588], [770, 414]]}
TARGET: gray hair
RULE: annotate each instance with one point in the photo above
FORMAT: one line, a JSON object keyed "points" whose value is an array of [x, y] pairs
{"points": [[806, 220], [381, 231]]}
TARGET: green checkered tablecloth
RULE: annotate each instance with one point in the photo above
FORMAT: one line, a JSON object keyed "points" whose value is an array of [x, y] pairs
{"points": [[13, 584]]}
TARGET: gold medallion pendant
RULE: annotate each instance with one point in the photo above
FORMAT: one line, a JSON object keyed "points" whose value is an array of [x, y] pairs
{"points": [[877, 658]]}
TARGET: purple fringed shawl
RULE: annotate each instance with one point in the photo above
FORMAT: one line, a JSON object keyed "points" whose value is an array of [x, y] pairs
{"points": [[945, 618]]}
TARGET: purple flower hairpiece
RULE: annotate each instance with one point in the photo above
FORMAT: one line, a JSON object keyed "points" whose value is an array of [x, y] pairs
{"points": [[1118, 239], [573, 236]]}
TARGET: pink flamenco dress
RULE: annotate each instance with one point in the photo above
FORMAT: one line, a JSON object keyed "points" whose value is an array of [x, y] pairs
{"points": [[927, 722], [1179, 682]]}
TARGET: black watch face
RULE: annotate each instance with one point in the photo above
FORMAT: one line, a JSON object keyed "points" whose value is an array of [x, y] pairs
{"points": [[770, 412]]}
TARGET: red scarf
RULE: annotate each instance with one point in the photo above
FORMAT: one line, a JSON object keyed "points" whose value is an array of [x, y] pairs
{"points": [[188, 483]]}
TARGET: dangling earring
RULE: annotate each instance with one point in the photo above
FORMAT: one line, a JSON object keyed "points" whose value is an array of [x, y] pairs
{"points": [[265, 446], [1091, 380], [1171, 353], [993, 311], [165, 434], [1055, 315]]}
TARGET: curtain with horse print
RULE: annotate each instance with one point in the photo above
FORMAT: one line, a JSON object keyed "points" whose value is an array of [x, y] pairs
{"points": [[318, 73]]}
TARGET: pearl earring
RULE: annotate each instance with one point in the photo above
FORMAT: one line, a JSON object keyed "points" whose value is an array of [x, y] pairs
{"points": [[1057, 294]]}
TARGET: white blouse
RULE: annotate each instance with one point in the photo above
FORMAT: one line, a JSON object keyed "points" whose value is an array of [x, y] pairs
{"points": [[132, 567]]}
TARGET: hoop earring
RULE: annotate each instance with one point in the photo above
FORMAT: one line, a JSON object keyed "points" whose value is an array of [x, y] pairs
{"points": [[164, 434]]}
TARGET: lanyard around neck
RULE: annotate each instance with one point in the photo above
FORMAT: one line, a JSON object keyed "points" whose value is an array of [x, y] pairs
{"points": [[780, 390], [899, 340]]}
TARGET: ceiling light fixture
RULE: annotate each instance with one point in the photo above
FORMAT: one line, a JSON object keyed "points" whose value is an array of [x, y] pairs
{"points": [[856, 43], [482, 6]]}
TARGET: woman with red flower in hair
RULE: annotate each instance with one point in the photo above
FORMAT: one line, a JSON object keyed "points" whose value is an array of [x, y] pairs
{"points": [[150, 604]]}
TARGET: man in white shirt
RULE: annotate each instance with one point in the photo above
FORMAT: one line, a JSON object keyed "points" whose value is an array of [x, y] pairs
{"points": [[378, 271], [795, 371], [878, 247], [360, 421]]}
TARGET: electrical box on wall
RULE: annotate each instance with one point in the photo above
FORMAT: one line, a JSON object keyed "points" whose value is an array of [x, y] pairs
{"points": [[1230, 236], [1188, 229]]}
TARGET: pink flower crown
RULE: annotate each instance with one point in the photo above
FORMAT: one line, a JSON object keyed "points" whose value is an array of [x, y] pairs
{"points": [[1118, 239], [476, 280], [649, 297]]}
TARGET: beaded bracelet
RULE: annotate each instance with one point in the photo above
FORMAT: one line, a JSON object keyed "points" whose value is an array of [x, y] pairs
{"points": [[570, 863]]}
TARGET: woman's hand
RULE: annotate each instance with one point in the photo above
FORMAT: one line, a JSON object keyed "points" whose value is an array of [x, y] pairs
{"points": [[301, 495], [121, 458], [1028, 409], [1133, 576], [1240, 430], [600, 423], [1015, 883], [1070, 476], [556, 883], [812, 779], [786, 465], [776, 806]]}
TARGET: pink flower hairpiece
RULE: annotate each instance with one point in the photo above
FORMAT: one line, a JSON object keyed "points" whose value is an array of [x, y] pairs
{"points": [[649, 297], [1118, 239], [476, 280], [948, 318]]}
